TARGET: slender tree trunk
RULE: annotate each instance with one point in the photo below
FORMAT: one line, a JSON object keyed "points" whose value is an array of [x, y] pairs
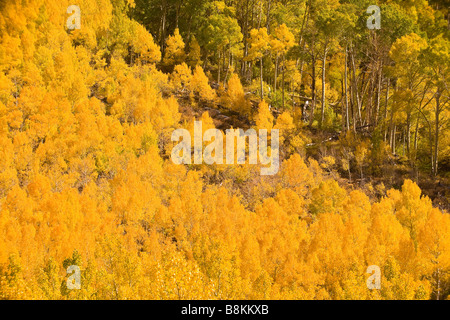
{"points": [[322, 111], [218, 68], [385, 109], [347, 122], [436, 134], [177, 14], [349, 173], [301, 42], [230, 62], [245, 34], [352, 106], [189, 28], [276, 74], [380, 77], [260, 14], [404, 141], [313, 90], [163, 27], [261, 77], [369, 105], [393, 139], [392, 130], [416, 131], [408, 134], [355, 85], [430, 133], [224, 63], [438, 284], [282, 84]]}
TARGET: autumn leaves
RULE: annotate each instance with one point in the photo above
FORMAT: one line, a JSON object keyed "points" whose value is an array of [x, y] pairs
{"points": [[216, 147]]}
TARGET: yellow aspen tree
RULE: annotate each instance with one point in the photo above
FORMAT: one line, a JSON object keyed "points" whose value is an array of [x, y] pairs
{"points": [[144, 46], [264, 118], [281, 42], [412, 209], [235, 97], [194, 56], [200, 85], [174, 52], [181, 77], [285, 123], [434, 246], [259, 45]]}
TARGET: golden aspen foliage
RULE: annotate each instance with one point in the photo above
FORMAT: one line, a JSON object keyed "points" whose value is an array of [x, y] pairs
{"points": [[174, 52], [145, 47], [8, 173], [200, 85], [283, 39], [258, 43], [181, 77], [285, 123], [291, 202], [264, 118], [402, 285], [434, 242], [296, 175], [411, 208], [234, 98], [328, 197], [194, 55]]}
